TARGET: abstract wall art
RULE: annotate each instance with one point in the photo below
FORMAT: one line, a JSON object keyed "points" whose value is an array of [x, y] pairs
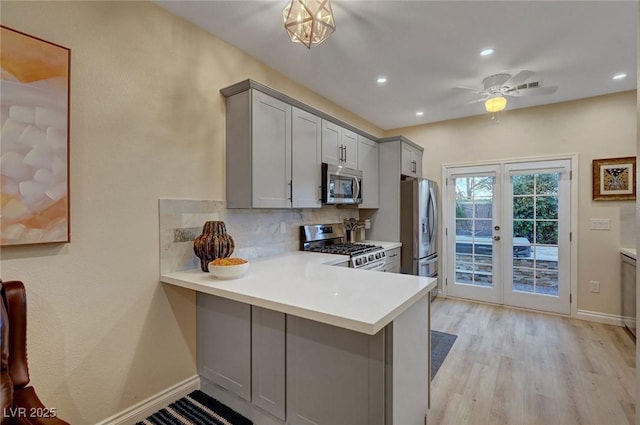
{"points": [[34, 153]]}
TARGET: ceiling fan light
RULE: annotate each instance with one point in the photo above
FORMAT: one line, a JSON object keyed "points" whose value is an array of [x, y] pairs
{"points": [[495, 104], [308, 22]]}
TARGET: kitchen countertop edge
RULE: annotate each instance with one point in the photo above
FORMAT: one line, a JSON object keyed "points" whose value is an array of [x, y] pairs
{"points": [[629, 252], [419, 287]]}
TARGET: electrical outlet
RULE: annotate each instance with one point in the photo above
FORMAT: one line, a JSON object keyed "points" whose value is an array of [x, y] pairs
{"points": [[594, 286]]}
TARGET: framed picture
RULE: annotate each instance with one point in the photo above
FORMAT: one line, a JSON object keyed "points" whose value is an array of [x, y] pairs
{"points": [[34, 154], [614, 179]]}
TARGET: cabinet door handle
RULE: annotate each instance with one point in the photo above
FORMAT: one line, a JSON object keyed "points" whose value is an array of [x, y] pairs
{"points": [[345, 153], [290, 190]]}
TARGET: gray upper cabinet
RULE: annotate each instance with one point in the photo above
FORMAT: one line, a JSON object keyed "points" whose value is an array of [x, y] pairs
{"points": [[339, 145], [411, 160], [275, 147], [273, 153], [369, 164], [396, 153], [306, 159]]}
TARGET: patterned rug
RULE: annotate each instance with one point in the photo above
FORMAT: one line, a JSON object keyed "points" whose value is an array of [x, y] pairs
{"points": [[196, 408], [441, 343]]}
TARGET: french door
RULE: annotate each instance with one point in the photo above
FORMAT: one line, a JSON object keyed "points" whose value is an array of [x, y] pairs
{"points": [[508, 234]]}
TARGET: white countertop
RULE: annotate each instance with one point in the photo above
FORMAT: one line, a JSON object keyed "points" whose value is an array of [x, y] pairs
{"points": [[629, 252], [304, 284]]}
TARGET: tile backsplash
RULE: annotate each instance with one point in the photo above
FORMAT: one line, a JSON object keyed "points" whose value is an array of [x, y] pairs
{"points": [[256, 232]]}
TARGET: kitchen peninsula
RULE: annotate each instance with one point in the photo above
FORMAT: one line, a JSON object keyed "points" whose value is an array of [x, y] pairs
{"points": [[299, 341]]}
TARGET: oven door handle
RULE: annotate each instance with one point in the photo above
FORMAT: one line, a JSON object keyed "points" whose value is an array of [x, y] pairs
{"points": [[382, 267]]}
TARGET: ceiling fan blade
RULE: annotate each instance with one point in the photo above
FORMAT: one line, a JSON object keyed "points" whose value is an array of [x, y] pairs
{"points": [[464, 88], [462, 105], [532, 91], [519, 78], [482, 99]]}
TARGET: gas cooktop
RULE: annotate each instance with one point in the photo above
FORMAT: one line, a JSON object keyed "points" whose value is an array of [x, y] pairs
{"points": [[344, 248], [329, 239]]}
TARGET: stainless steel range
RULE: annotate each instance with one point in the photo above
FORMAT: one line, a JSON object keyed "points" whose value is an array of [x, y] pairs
{"points": [[330, 238]]}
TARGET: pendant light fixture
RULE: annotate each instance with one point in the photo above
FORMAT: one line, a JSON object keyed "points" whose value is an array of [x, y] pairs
{"points": [[495, 104], [309, 22]]}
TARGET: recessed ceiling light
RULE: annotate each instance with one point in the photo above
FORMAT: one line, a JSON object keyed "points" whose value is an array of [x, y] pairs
{"points": [[620, 76], [419, 114], [381, 80], [487, 52]]}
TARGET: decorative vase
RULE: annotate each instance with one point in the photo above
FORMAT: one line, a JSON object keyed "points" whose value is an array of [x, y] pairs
{"points": [[214, 242]]}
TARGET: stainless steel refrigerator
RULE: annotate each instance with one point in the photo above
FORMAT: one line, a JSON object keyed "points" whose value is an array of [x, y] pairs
{"points": [[419, 227]]}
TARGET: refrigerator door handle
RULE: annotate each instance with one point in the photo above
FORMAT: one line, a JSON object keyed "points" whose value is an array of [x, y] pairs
{"points": [[434, 208], [429, 260]]}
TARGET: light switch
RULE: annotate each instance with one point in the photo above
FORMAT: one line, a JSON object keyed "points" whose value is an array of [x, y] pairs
{"points": [[600, 224]]}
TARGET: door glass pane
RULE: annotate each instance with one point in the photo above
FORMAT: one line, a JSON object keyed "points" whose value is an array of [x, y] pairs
{"points": [[535, 233], [546, 232], [523, 184], [474, 227], [547, 184], [523, 279], [523, 207], [547, 207]]}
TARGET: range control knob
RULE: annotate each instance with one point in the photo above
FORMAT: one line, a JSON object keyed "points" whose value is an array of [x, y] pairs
{"points": [[383, 254], [358, 261], [371, 257], [378, 256], [364, 260]]}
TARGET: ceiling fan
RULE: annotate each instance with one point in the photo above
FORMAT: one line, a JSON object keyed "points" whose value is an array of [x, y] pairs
{"points": [[496, 87]]}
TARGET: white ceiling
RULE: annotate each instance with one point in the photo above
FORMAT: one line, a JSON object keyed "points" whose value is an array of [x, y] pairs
{"points": [[425, 48]]}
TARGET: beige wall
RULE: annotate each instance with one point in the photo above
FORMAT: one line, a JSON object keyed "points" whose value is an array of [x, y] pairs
{"points": [[599, 127], [147, 122]]}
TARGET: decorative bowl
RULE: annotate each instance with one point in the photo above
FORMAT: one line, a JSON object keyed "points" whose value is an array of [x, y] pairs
{"points": [[232, 271]]}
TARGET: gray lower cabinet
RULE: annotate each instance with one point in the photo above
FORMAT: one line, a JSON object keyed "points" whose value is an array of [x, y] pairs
{"points": [[279, 369], [224, 343], [334, 376], [268, 360]]}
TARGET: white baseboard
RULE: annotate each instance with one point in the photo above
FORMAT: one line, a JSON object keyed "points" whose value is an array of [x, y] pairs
{"points": [[594, 316], [149, 406]]}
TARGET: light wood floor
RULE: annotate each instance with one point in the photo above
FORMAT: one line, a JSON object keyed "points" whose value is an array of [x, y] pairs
{"points": [[515, 367]]}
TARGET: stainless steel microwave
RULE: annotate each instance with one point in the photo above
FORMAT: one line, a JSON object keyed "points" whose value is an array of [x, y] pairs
{"points": [[341, 185]]}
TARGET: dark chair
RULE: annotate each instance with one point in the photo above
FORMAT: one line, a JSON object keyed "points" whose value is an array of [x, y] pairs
{"points": [[19, 402]]}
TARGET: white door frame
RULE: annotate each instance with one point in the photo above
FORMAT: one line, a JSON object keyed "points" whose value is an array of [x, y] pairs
{"points": [[574, 178], [492, 294]]}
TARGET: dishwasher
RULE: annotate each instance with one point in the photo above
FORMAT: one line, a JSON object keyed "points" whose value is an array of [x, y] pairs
{"points": [[628, 278]]}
